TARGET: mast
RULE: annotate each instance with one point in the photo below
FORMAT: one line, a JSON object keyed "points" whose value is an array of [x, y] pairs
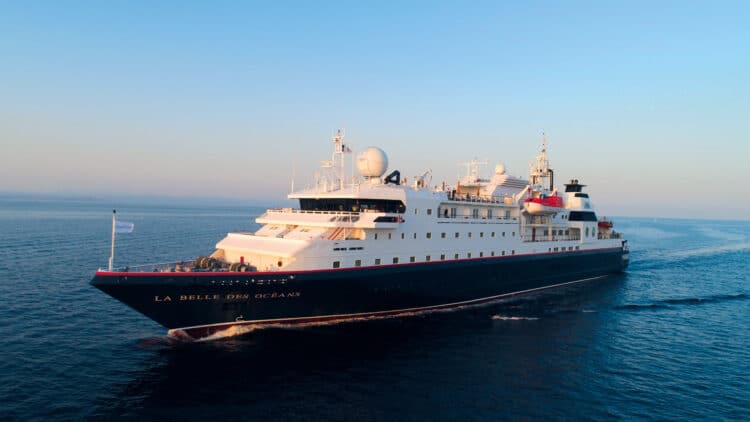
{"points": [[540, 171]]}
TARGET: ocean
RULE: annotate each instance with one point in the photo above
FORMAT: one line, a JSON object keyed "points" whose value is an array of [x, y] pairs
{"points": [[669, 339]]}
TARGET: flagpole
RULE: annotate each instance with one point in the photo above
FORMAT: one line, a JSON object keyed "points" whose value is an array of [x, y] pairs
{"points": [[112, 250]]}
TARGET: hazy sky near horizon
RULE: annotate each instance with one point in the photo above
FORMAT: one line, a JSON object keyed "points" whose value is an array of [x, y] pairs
{"points": [[646, 102]]}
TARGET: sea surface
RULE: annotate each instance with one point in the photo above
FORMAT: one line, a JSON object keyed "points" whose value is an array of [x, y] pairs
{"points": [[667, 340]]}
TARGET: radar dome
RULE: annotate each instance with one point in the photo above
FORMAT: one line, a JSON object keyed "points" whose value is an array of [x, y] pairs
{"points": [[372, 162], [500, 169]]}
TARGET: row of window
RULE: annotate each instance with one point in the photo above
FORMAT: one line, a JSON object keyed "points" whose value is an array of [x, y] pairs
{"points": [[428, 258], [428, 235]]}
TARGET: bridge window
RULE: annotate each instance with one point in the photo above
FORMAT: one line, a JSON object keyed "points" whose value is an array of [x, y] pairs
{"points": [[352, 204], [582, 216]]}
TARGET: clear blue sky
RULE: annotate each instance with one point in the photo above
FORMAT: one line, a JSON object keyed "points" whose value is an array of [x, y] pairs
{"points": [[646, 102]]}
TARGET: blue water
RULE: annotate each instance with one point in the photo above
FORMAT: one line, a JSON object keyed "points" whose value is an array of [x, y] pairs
{"points": [[670, 339]]}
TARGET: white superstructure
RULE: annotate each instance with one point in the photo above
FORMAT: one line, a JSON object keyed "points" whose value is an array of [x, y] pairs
{"points": [[374, 219]]}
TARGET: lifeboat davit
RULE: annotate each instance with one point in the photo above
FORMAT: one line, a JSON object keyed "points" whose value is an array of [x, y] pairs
{"points": [[544, 205]]}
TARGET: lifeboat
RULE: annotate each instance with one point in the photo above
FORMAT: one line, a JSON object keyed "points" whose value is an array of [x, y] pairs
{"points": [[544, 205], [605, 224]]}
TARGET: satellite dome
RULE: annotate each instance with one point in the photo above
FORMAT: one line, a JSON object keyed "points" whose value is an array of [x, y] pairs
{"points": [[372, 162], [500, 169]]}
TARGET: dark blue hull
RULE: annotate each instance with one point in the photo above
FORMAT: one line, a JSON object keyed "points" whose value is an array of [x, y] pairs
{"points": [[203, 303]]}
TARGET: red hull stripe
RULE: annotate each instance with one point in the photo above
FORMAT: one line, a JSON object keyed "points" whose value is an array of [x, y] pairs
{"points": [[202, 331], [260, 273]]}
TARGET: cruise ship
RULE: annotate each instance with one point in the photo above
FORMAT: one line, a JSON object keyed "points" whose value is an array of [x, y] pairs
{"points": [[377, 244]]}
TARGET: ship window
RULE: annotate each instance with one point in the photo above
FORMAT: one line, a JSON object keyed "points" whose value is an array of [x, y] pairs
{"points": [[455, 256], [416, 211], [556, 249], [429, 235], [442, 235], [475, 213], [493, 234], [456, 235], [468, 255], [350, 204], [507, 214], [415, 235], [395, 260], [358, 263], [577, 248], [582, 216], [503, 234], [587, 232], [412, 259], [453, 212], [469, 234], [503, 253], [376, 236], [513, 252], [442, 257], [545, 232], [377, 261], [403, 235], [336, 264], [389, 236], [489, 212], [427, 258], [481, 254], [279, 263], [514, 233], [549, 249], [582, 195], [481, 234], [492, 253], [567, 232], [429, 211]]}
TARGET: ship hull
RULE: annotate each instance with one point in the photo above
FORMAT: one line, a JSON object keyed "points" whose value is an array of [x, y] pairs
{"points": [[198, 304]]}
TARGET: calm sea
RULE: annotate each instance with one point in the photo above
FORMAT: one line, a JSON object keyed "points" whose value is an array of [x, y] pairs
{"points": [[669, 339]]}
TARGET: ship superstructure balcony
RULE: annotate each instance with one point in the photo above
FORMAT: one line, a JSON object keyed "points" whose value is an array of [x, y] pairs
{"points": [[331, 219]]}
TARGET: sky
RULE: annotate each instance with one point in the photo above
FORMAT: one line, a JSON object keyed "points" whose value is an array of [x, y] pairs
{"points": [[648, 103]]}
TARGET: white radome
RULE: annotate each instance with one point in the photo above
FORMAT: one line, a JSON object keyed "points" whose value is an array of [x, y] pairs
{"points": [[500, 169], [372, 162]]}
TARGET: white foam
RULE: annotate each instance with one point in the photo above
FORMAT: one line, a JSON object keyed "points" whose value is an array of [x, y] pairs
{"points": [[513, 318]]}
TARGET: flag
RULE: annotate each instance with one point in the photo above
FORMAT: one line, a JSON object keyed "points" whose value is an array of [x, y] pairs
{"points": [[124, 227]]}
